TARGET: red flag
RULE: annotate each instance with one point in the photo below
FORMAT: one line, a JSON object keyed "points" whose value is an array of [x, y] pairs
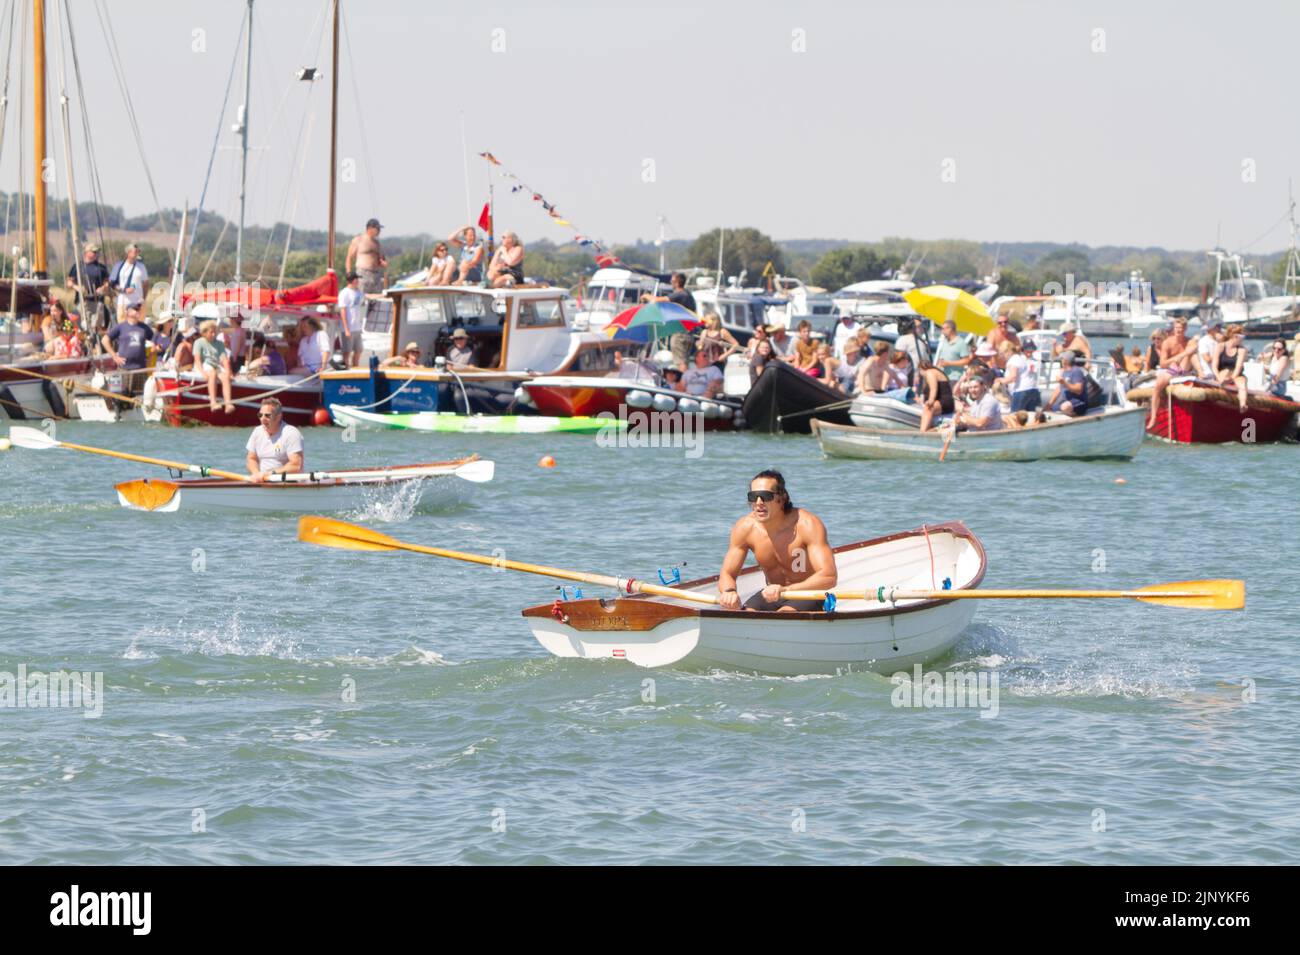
{"points": [[485, 218], [606, 260]]}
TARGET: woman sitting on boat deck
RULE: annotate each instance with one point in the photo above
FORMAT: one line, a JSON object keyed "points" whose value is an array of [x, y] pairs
{"points": [[52, 324], [763, 356], [68, 344], [506, 270], [471, 255], [213, 360], [715, 341], [264, 359], [314, 347], [409, 358], [1277, 365], [442, 267], [935, 394], [1229, 360]]}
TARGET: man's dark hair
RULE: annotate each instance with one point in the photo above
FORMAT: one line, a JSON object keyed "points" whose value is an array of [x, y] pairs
{"points": [[779, 478], [679, 278]]}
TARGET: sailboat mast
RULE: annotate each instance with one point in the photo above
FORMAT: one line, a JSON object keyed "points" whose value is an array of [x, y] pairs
{"points": [[38, 125], [334, 138], [243, 147]]}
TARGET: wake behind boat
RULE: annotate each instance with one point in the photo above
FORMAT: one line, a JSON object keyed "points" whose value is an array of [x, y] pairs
{"points": [[310, 492]]}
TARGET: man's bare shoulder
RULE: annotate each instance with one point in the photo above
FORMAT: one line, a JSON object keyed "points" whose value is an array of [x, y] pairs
{"points": [[742, 527], [810, 523]]}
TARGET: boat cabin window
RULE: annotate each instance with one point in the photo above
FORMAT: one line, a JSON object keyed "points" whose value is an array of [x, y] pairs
{"points": [[379, 315], [608, 298], [471, 309], [539, 313], [425, 310]]}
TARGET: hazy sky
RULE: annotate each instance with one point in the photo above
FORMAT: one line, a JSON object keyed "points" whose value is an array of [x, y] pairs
{"points": [[804, 119]]}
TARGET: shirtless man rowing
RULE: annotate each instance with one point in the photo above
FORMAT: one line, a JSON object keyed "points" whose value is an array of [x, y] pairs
{"points": [[789, 544]]}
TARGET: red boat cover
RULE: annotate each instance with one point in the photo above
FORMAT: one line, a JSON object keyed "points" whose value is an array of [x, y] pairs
{"points": [[322, 291]]}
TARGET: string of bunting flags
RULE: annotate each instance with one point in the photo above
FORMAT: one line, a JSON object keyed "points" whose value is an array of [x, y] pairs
{"points": [[603, 257]]}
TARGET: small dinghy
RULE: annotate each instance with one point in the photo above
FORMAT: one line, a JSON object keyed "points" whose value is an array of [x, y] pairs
{"points": [[309, 492], [881, 634]]}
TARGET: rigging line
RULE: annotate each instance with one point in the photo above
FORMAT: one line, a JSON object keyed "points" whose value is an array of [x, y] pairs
{"points": [[274, 123], [295, 184], [4, 94], [297, 194], [212, 156], [1271, 230], [361, 116], [96, 184], [120, 74]]}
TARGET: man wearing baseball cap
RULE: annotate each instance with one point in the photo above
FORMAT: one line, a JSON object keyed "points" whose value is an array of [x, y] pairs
{"points": [[352, 311], [91, 275], [366, 258]]}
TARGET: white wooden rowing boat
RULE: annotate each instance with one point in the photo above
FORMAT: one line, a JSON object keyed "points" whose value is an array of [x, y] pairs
{"points": [[306, 493], [1109, 433], [877, 635]]}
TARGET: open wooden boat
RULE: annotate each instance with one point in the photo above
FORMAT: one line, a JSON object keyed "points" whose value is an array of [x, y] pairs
{"points": [[1199, 412], [451, 422], [1109, 433], [309, 492], [876, 635]]}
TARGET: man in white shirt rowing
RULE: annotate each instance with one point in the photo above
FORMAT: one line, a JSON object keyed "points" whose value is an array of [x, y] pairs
{"points": [[274, 447]]}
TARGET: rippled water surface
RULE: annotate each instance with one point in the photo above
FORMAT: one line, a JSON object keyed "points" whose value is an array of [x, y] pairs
{"points": [[1125, 733]]}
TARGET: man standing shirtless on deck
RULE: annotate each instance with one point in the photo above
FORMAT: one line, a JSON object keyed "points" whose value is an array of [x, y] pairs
{"points": [[789, 544], [366, 258]]}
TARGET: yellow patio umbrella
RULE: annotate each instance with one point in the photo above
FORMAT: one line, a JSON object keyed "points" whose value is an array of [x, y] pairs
{"points": [[939, 303]]}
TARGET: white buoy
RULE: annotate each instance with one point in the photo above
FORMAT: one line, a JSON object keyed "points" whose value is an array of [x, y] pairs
{"points": [[5, 444]]}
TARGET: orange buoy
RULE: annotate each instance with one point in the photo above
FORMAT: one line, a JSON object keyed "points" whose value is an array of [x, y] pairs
{"points": [[546, 462], [1120, 481], [321, 416]]}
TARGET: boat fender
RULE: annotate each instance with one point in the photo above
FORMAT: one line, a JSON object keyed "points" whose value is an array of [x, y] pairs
{"points": [[672, 581], [149, 399], [639, 399], [688, 406], [725, 411], [523, 397], [828, 605], [710, 409], [665, 403], [557, 611]]}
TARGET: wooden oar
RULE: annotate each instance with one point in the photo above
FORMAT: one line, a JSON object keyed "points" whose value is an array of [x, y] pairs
{"points": [[331, 533], [37, 440], [1192, 594]]}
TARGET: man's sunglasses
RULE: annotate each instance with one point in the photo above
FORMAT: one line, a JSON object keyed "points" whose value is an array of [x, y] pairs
{"points": [[765, 496], [261, 414]]}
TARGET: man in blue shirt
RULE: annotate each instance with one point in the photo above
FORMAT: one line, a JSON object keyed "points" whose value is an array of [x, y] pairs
{"points": [[1071, 388]]}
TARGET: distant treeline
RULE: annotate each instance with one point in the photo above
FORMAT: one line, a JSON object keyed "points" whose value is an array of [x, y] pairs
{"points": [[1024, 267]]}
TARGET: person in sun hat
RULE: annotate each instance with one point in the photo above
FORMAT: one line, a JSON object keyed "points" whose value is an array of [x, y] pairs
{"points": [[1071, 339], [460, 355], [409, 358]]}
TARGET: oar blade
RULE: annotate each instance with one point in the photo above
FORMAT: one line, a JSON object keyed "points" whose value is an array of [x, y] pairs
{"points": [[1204, 594], [331, 533], [147, 495], [33, 439], [476, 472]]}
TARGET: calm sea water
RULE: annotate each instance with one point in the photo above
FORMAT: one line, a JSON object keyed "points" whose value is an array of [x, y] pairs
{"points": [[1123, 733]]}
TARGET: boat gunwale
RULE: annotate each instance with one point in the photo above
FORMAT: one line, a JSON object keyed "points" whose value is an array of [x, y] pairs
{"points": [[937, 435], [957, 528], [357, 476]]}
